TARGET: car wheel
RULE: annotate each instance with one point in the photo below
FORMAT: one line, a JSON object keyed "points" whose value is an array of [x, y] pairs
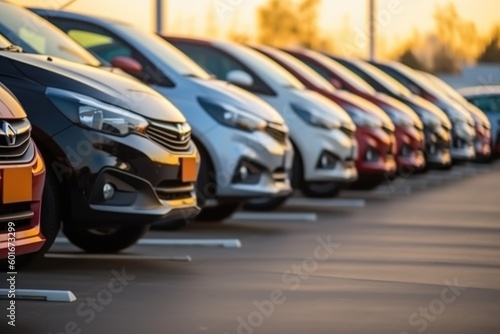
{"points": [[321, 189], [106, 240], [218, 213]]}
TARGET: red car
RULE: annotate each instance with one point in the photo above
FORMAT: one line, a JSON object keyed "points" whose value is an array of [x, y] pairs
{"points": [[409, 128], [22, 177]]}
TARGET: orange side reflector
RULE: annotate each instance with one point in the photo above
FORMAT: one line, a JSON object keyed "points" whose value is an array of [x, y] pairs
{"points": [[188, 169], [17, 185]]}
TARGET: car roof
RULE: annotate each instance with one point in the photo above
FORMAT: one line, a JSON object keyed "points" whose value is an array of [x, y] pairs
{"points": [[480, 90]]}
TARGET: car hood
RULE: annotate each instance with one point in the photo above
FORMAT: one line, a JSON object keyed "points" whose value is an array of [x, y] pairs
{"points": [[233, 95], [316, 101], [392, 102], [10, 108], [364, 105], [102, 85], [431, 107]]}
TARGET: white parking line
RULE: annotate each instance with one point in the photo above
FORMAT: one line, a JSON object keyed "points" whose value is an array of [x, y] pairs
{"points": [[326, 203], [85, 256], [225, 243], [279, 216], [64, 296]]}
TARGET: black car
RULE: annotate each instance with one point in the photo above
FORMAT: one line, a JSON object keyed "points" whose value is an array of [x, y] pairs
{"points": [[119, 156]]}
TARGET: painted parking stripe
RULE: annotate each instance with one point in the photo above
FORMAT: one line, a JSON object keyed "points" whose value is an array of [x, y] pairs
{"points": [[61, 296], [85, 256], [278, 216], [326, 203], [225, 243]]}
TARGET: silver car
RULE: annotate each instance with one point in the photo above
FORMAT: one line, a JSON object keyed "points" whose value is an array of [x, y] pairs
{"points": [[243, 141], [321, 131]]}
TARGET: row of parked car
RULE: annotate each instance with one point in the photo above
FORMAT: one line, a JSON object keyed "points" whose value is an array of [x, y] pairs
{"points": [[138, 129]]}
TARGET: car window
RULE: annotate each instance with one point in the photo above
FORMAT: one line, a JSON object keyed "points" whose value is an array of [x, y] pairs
{"points": [[36, 35], [220, 64], [211, 60], [489, 103], [107, 46], [404, 80]]}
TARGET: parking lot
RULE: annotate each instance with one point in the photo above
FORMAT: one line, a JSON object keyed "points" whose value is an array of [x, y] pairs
{"points": [[416, 255]]}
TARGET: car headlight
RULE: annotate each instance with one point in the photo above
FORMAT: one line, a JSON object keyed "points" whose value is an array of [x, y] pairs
{"points": [[232, 116], [363, 118], [94, 114], [315, 118], [398, 117]]}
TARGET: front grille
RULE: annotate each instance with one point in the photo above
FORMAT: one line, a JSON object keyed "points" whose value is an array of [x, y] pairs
{"points": [[280, 175], [175, 137], [174, 190], [348, 132], [278, 132], [389, 131], [19, 213], [15, 141]]}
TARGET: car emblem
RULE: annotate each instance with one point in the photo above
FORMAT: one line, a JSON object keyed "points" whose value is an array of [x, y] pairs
{"points": [[9, 133]]}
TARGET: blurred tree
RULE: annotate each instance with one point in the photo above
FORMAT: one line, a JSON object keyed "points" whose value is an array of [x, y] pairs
{"points": [[287, 22], [491, 52], [408, 58], [277, 22], [458, 34], [307, 15]]}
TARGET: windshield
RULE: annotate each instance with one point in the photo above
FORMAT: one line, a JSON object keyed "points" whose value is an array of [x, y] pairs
{"points": [[36, 35], [257, 60], [384, 79], [342, 71], [169, 54], [299, 67]]}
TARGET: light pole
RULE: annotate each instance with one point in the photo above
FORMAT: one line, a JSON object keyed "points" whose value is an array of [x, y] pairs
{"points": [[372, 27], [160, 5]]}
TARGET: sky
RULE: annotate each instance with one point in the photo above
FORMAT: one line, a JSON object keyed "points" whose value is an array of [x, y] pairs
{"points": [[397, 19]]}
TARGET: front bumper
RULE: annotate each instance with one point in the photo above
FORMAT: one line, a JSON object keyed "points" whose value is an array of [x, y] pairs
{"points": [[482, 144], [377, 149], [327, 155], [150, 183], [437, 146], [248, 164], [24, 215], [410, 148], [463, 138]]}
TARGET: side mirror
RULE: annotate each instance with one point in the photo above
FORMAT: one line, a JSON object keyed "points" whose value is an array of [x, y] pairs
{"points": [[240, 78], [127, 64], [336, 83]]}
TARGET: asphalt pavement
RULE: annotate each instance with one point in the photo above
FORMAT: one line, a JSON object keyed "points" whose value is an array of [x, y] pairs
{"points": [[418, 255]]}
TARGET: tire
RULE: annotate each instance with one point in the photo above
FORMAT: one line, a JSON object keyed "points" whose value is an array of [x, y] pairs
{"points": [[367, 182], [265, 204], [321, 189], [106, 241], [218, 213]]}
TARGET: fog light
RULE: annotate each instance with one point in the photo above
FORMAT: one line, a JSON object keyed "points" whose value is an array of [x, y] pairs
{"points": [[108, 191], [327, 161], [406, 151], [243, 173]]}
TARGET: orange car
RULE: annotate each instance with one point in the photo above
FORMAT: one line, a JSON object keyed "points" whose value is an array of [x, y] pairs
{"points": [[22, 177]]}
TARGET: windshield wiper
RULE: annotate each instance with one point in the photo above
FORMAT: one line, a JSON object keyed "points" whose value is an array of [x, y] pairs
{"points": [[12, 48]]}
